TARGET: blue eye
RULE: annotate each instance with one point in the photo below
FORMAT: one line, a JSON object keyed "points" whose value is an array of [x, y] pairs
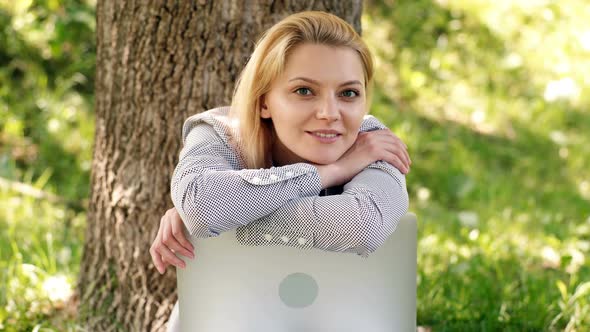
{"points": [[303, 91], [350, 93]]}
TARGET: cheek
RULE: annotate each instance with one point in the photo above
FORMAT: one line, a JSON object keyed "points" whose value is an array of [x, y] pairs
{"points": [[283, 124], [354, 120], [286, 129], [288, 120], [350, 141]]}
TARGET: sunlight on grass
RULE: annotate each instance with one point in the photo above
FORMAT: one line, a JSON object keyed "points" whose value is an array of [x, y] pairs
{"points": [[490, 97], [41, 248]]}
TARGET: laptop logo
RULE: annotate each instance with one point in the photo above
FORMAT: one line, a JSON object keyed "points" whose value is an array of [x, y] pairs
{"points": [[298, 290]]}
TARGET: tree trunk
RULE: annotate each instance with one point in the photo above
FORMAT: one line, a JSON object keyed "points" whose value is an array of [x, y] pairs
{"points": [[158, 62]]}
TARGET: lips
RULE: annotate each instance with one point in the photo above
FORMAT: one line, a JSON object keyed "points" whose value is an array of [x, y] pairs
{"points": [[325, 133], [325, 136]]}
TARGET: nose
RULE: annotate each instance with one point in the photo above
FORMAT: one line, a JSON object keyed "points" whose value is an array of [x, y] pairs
{"points": [[328, 109]]}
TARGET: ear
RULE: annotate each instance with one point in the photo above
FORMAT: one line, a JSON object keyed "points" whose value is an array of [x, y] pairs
{"points": [[264, 112]]}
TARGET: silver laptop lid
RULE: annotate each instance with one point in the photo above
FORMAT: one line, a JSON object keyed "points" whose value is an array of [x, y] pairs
{"points": [[232, 287]]}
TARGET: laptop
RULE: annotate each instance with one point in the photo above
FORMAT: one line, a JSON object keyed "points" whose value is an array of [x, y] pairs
{"points": [[232, 287]]}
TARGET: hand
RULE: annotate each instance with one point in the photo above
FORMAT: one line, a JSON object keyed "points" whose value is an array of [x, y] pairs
{"points": [[169, 241], [368, 148], [372, 146]]}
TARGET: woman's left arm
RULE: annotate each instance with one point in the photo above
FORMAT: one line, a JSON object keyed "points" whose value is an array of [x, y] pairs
{"points": [[359, 220]]}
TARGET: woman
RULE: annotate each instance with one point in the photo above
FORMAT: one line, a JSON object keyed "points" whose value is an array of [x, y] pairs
{"points": [[294, 153]]}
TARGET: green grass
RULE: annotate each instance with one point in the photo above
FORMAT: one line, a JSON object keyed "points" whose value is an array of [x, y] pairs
{"points": [[500, 178], [40, 249], [500, 171]]}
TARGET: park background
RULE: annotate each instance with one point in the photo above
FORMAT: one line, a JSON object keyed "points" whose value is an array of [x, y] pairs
{"points": [[492, 98]]}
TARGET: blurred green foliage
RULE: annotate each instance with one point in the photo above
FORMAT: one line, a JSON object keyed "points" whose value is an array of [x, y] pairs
{"points": [[47, 63], [491, 97], [47, 57], [40, 251]]}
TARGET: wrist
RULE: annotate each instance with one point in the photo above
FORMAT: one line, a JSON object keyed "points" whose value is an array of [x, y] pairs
{"points": [[329, 175]]}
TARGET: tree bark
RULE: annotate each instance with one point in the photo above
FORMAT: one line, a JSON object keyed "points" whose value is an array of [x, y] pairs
{"points": [[158, 62]]}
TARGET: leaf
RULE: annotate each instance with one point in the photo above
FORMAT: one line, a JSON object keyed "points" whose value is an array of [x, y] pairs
{"points": [[42, 180], [562, 289], [581, 290]]}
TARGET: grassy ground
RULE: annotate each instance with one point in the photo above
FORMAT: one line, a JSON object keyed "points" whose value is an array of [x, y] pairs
{"points": [[500, 180], [40, 250], [492, 99]]}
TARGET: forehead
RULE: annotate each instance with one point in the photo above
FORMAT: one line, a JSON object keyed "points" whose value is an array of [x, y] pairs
{"points": [[323, 63]]}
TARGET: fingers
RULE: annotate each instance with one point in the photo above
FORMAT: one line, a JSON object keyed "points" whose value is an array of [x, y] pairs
{"points": [[401, 154], [181, 244], [393, 155], [404, 149], [400, 165], [392, 149], [170, 240], [172, 236], [403, 160], [170, 244], [397, 163], [154, 252]]}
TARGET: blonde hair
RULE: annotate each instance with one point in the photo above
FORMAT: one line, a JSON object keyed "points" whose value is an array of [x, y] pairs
{"points": [[267, 63]]}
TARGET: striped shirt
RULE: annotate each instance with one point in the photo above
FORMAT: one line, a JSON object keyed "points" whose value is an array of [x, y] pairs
{"points": [[214, 192]]}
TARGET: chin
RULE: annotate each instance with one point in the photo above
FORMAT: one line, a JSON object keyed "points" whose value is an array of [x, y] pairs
{"points": [[322, 160]]}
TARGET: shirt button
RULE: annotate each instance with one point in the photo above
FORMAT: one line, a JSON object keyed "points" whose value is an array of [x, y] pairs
{"points": [[289, 173], [301, 241], [273, 177], [267, 237], [256, 180], [285, 239]]}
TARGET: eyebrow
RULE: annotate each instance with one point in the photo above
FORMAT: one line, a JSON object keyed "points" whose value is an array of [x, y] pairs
{"points": [[318, 83]]}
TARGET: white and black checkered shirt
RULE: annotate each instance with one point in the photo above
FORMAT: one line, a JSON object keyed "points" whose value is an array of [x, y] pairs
{"points": [[213, 193]]}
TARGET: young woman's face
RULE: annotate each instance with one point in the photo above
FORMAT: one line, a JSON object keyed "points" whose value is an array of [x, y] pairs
{"points": [[317, 104]]}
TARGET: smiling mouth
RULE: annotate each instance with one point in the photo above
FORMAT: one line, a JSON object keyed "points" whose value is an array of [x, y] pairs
{"points": [[324, 137]]}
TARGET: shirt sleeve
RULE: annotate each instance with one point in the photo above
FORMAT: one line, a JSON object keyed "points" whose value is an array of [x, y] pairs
{"points": [[359, 220], [211, 196]]}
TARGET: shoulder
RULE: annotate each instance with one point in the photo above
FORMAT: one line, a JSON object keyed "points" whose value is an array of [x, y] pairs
{"points": [[211, 133], [371, 123], [213, 121]]}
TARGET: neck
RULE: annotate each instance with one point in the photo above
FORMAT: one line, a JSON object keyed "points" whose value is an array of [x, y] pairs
{"points": [[281, 155]]}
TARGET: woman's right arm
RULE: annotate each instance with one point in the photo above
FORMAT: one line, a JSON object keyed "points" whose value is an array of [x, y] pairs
{"points": [[213, 196]]}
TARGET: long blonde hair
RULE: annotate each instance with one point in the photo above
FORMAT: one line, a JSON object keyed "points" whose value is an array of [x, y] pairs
{"points": [[267, 63]]}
